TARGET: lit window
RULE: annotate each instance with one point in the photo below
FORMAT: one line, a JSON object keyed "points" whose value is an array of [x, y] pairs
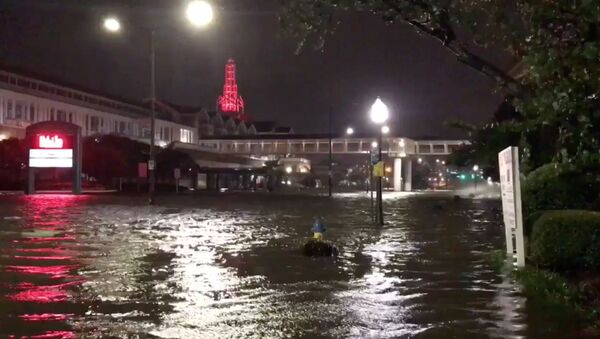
{"points": [[186, 136], [20, 111]]}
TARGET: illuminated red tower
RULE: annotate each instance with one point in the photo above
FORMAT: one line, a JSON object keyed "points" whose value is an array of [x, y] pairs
{"points": [[231, 103]]}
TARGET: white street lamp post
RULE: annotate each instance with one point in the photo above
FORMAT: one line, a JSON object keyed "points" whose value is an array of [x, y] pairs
{"points": [[199, 14], [379, 114], [476, 171]]}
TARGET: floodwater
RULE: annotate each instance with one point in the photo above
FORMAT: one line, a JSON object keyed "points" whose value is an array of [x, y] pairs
{"points": [[230, 267]]}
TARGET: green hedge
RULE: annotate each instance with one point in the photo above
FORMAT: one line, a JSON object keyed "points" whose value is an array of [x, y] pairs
{"points": [[559, 187], [566, 240]]}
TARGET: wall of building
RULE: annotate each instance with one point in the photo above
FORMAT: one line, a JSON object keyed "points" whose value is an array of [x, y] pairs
{"points": [[19, 110]]}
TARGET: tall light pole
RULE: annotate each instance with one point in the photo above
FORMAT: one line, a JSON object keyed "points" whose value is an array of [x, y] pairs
{"points": [[199, 14], [475, 170], [379, 114], [330, 177]]}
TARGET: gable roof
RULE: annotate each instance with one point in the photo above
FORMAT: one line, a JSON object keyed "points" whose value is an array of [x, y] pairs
{"points": [[283, 130], [264, 126]]}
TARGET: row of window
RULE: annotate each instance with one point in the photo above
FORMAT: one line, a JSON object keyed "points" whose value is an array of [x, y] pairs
{"points": [[19, 112], [40, 86]]}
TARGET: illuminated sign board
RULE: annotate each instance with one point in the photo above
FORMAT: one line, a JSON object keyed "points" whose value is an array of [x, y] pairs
{"points": [[46, 141], [50, 151]]}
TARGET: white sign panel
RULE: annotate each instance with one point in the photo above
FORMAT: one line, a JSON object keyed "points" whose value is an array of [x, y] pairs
{"points": [[511, 203], [177, 173], [50, 158]]}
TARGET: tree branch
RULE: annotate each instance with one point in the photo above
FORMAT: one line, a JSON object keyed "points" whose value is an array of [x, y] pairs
{"points": [[447, 37]]}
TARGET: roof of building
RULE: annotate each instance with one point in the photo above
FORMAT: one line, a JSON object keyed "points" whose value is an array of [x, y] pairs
{"points": [[283, 130], [185, 109], [264, 126], [60, 82]]}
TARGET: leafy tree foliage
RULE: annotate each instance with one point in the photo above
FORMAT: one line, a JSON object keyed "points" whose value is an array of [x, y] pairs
{"points": [[459, 25], [13, 159], [557, 43], [562, 59]]}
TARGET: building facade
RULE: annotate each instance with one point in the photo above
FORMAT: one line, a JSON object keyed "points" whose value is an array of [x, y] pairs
{"points": [[25, 100]]}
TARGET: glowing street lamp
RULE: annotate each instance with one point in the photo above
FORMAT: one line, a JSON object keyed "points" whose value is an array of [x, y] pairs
{"points": [[374, 144], [349, 131], [112, 24], [289, 169], [385, 129], [475, 169], [379, 114], [199, 13]]}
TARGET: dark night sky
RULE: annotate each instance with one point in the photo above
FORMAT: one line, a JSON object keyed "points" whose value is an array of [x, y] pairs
{"points": [[420, 81]]}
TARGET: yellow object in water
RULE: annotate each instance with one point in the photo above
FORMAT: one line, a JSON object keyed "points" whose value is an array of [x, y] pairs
{"points": [[318, 236]]}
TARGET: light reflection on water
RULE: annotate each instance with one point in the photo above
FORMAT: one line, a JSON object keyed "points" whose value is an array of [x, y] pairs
{"points": [[207, 267]]}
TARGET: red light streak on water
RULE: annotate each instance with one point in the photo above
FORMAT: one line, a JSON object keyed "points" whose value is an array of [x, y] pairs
{"points": [[43, 294], [48, 335], [55, 272], [42, 258], [46, 215], [41, 240], [57, 250], [46, 317]]}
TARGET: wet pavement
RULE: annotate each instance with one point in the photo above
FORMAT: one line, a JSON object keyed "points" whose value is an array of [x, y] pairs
{"points": [[230, 266]]}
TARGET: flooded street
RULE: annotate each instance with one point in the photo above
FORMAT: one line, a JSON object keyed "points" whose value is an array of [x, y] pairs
{"points": [[230, 267]]}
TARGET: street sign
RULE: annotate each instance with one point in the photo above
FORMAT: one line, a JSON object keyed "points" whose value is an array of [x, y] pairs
{"points": [[177, 173], [151, 165], [142, 170], [510, 185], [379, 169]]}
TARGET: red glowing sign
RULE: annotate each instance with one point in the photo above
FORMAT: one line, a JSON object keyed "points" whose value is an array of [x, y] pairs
{"points": [[50, 141], [51, 150]]}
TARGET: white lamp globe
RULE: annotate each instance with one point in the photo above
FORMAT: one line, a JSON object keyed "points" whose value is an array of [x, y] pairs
{"points": [[379, 112]]}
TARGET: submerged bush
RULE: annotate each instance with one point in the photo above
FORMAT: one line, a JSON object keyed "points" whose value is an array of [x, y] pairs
{"points": [[567, 240], [557, 187]]}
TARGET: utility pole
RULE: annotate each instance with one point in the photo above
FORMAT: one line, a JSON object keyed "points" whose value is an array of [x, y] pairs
{"points": [[152, 156], [380, 182], [330, 151]]}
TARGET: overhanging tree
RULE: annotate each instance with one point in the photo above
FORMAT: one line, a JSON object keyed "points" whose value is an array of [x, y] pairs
{"points": [[555, 41], [458, 25]]}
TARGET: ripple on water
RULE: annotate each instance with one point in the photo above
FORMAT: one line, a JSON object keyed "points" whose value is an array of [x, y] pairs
{"points": [[202, 267]]}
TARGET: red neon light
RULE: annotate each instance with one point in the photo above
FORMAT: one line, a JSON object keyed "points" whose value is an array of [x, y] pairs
{"points": [[47, 141], [231, 103]]}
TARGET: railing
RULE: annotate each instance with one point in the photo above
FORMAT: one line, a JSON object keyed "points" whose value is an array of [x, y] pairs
{"points": [[397, 147]]}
